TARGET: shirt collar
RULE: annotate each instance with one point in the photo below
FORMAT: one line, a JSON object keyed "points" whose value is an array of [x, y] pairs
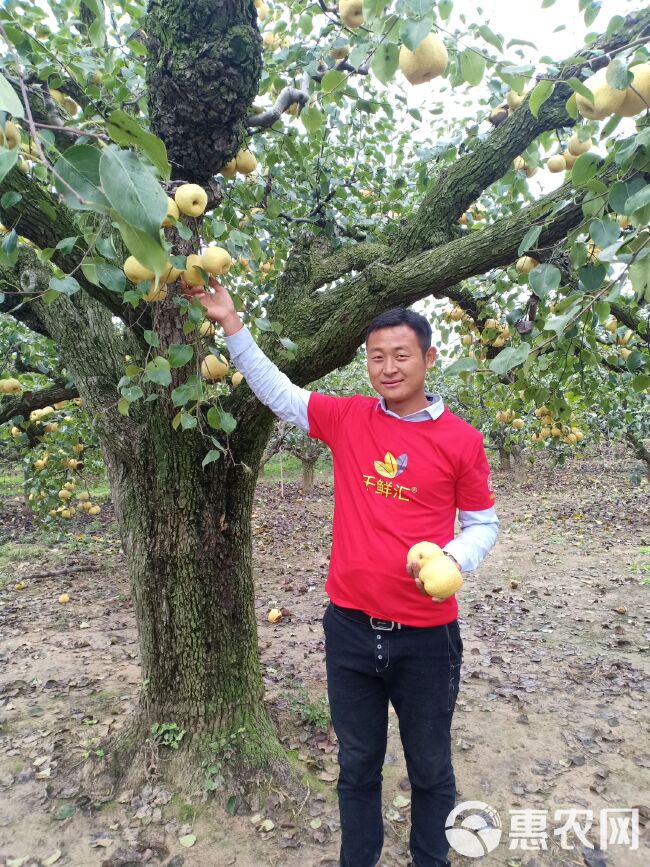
{"points": [[434, 410]]}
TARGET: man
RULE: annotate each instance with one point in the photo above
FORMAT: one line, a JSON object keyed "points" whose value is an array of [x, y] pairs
{"points": [[403, 465]]}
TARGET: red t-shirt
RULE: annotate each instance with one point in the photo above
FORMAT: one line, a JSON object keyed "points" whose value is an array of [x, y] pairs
{"points": [[395, 483]]}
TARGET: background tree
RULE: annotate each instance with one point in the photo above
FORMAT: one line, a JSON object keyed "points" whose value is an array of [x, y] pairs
{"points": [[344, 217]]}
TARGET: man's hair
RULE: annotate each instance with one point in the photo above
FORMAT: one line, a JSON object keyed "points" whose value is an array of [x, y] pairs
{"points": [[402, 316]]}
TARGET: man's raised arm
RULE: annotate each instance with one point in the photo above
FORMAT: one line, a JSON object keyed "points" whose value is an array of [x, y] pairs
{"points": [[272, 387]]}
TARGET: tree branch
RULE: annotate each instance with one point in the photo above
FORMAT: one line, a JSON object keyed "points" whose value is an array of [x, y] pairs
{"points": [[31, 400], [449, 195]]}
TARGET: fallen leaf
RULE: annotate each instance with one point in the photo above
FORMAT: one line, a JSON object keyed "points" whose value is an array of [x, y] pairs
{"points": [[187, 840], [51, 859], [400, 801], [267, 825]]}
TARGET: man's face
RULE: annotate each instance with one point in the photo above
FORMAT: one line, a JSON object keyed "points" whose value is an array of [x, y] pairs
{"points": [[397, 367]]}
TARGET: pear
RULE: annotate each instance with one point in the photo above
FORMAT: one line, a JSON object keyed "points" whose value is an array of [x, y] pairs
{"points": [[428, 60]]}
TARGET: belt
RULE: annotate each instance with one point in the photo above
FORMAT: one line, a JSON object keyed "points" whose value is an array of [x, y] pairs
{"points": [[373, 622]]}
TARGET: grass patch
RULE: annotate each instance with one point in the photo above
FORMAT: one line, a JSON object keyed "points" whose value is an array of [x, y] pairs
{"points": [[308, 778], [291, 469], [11, 484], [29, 552]]}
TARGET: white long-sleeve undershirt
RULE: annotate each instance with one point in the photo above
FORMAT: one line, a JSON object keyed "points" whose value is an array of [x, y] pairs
{"points": [[289, 402]]}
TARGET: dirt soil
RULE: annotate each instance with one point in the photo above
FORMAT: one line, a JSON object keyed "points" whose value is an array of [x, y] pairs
{"points": [[552, 712]]}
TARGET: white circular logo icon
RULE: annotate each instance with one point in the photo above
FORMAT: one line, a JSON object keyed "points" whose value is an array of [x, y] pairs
{"points": [[478, 833]]}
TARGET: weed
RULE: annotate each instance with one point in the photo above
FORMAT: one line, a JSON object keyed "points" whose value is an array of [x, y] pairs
{"points": [[223, 749], [313, 713], [167, 735]]}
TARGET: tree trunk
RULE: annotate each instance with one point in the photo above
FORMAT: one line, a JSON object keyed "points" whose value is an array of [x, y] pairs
{"points": [[190, 569], [308, 476], [640, 450], [504, 460]]}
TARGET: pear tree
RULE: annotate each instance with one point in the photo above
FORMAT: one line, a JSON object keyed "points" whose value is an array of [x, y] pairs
{"points": [[273, 146]]}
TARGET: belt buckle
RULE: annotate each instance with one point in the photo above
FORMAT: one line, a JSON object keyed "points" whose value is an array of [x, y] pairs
{"points": [[374, 622]]}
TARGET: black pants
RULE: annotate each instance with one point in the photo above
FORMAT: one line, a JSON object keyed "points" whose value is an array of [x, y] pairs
{"points": [[418, 671]]}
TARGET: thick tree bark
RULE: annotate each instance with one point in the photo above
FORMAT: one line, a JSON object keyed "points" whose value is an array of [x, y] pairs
{"points": [[308, 475]]}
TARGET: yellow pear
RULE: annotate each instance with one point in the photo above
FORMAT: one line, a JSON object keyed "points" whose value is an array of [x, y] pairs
{"points": [[637, 100], [422, 552], [230, 169], [10, 386], [606, 98], [135, 271], [94, 510], [237, 378], [214, 368], [158, 292], [64, 598], [569, 158], [351, 13], [191, 199], [191, 275], [172, 212], [274, 615], [428, 60], [441, 577], [206, 329], [245, 162], [12, 134], [577, 146], [70, 105], [525, 264], [514, 99], [216, 261], [517, 423], [556, 163], [170, 273], [340, 53], [57, 96]]}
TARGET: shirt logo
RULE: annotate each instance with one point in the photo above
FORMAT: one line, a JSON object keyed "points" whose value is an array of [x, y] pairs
{"points": [[391, 467]]}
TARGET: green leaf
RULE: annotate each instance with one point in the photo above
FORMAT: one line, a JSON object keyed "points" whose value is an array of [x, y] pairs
{"points": [[8, 159], [334, 80], [212, 455], [312, 119], [639, 272], [640, 382], [592, 276], [263, 324], [462, 365], [490, 37], [635, 360], [472, 66], [228, 421], [111, 277], [386, 61], [508, 358], [585, 168], [288, 344], [188, 421], [146, 250], [9, 99], [124, 129], [544, 278], [622, 191], [529, 240], [9, 199], [578, 87], [132, 393], [213, 418], [413, 32], [444, 8], [540, 93], [187, 840], [617, 74], [78, 168], [180, 354], [132, 190], [190, 392], [638, 200], [65, 811], [231, 805], [604, 232], [157, 370], [152, 338], [66, 286]]}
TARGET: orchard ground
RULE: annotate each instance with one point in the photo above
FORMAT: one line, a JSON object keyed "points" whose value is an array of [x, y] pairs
{"points": [[552, 712]]}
